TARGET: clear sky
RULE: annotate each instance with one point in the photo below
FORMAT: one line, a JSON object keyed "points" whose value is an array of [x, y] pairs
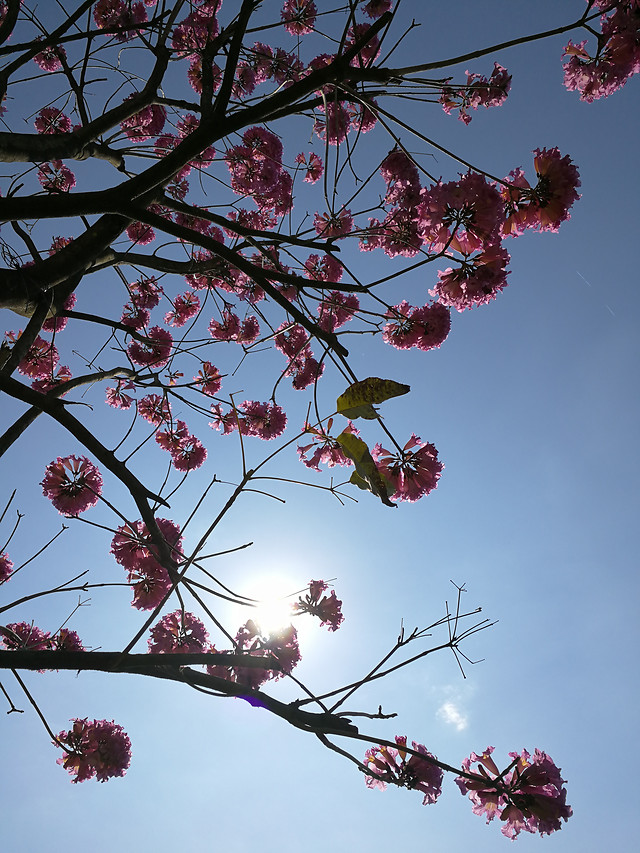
{"points": [[533, 405]]}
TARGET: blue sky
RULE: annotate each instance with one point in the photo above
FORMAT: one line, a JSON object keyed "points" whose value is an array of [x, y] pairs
{"points": [[532, 403]]}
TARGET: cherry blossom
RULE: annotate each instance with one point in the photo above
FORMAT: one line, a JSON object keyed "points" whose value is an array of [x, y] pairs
{"points": [[155, 409], [177, 633], [530, 796], [132, 548], [121, 14], [116, 397], [208, 379], [390, 766], [475, 282], [50, 59], [94, 749], [66, 641], [41, 357], [72, 484]]}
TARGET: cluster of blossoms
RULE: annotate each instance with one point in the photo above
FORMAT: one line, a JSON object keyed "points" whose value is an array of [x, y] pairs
{"points": [[187, 452], [94, 749], [26, 635], [256, 171], [617, 55], [40, 360], [280, 648], [6, 567], [325, 448], [73, 484], [133, 548], [328, 608], [425, 328], [263, 420], [478, 91], [529, 796], [411, 473], [177, 633], [293, 342], [389, 766]]}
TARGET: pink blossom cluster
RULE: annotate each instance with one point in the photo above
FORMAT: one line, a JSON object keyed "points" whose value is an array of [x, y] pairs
{"points": [[177, 633], [263, 420], [94, 749], [314, 167], [40, 360], [145, 124], [299, 16], [529, 796], [155, 351], [293, 342], [73, 484], [57, 323], [232, 328], [25, 635], [187, 452], [325, 448], [133, 549], [44, 384], [155, 409], [55, 177], [256, 170], [122, 16], [6, 567], [411, 473], [50, 58], [425, 328], [198, 29], [397, 233], [279, 648], [389, 766], [52, 120], [208, 379], [185, 307], [478, 91], [328, 608], [116, 397], [617, 55]]}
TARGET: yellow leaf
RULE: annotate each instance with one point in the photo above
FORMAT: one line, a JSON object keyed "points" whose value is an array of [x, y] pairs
{"points": [[356, 402], [366, 476]]}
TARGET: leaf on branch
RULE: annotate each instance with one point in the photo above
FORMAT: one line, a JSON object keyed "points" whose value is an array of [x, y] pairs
{"points": [[366, 476], [356, 402]]}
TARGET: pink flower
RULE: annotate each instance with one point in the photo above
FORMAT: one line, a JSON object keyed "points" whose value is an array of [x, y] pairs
{"points": [[24, 635], [390, 766], [50, 59], [155, 409], [209, 379], [6, 567], [336, 309], [280, 647], [145, 293], [370, 51], [327, 608], [189, 455], [231, 329], [197, 30], [466, 214], [40, 360], [67, 641], [185, 307], [96, 748], [333, 123], [479, 91], [72, 484], [121, 14], [155, 352], [145, 124], [530, 797], [178, 633], [315, 167], [116, 397], [425, 328], [411, 473], [326, 448], [132, 548], [55, 177], [476, 282], [56, 323], [325, 268], [545, 206], [265, 420], [140, 233], [333, 225], [52, 120], [44, 384], [299, 16], [376, 8]]}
